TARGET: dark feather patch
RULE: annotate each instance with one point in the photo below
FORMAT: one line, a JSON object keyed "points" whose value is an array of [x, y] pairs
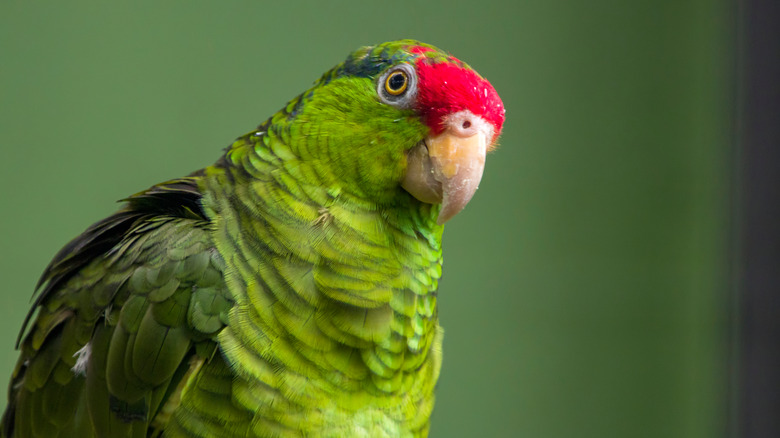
{"points": [[176, 198]]}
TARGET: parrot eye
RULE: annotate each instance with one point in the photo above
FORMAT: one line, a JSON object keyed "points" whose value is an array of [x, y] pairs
{"points": [[396, 82], [398, 86]]}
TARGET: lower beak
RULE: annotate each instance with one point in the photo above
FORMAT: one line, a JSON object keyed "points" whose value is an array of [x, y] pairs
{"points": [[446, 168]]}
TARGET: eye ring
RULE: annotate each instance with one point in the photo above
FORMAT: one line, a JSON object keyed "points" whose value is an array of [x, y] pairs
{"points": [[396, 83], [397, 86]]}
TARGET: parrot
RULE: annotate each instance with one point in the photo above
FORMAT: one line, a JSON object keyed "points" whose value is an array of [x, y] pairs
{"points": [[290, 289]]}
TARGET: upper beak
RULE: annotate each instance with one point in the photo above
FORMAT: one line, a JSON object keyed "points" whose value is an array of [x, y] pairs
{"points": [[446, 168]]}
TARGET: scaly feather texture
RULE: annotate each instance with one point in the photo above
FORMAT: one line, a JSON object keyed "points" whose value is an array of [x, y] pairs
{"points": [[288, 290]]}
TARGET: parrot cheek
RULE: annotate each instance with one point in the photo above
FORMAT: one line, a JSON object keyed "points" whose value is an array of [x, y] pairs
{"points": [[446, 168]]}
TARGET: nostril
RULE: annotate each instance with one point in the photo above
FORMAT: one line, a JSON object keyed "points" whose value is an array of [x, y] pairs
{"points": [[463, 123]]}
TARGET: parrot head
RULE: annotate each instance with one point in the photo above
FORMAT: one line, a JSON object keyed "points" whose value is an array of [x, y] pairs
{"points": [[402, 118]]}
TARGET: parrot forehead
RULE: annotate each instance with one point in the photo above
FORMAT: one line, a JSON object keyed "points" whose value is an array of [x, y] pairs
{"points": [[450, 86]]}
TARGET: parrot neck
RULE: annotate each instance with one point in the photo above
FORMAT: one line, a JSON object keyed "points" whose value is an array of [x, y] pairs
{"points": [[329, 288]]}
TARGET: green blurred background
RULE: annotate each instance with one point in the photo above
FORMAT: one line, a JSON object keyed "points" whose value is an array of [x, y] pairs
{"points": [[586, 287]]}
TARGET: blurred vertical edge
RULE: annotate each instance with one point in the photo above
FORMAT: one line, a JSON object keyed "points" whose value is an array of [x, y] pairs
{"points": [[758, 331]]}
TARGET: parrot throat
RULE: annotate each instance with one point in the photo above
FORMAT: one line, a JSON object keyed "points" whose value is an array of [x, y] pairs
{"points": [[333, 294]]}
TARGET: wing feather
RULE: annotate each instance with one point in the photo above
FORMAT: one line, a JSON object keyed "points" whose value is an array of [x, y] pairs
{"points": [[121, 310]]}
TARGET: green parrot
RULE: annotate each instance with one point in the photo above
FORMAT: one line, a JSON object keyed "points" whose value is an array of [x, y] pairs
{"points": [[287, 290]]}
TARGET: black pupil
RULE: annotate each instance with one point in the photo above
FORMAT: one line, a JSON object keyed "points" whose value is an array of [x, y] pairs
{"points": [[397, 81]]}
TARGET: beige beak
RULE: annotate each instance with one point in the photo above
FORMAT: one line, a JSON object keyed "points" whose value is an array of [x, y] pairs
{"points": [[446, 168]]}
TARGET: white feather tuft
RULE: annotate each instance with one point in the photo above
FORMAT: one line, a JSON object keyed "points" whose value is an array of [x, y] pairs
{"points": [[82, 358]]}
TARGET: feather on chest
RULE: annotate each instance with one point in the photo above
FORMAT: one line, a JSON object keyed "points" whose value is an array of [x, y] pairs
{"points": [[335, 311]]}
